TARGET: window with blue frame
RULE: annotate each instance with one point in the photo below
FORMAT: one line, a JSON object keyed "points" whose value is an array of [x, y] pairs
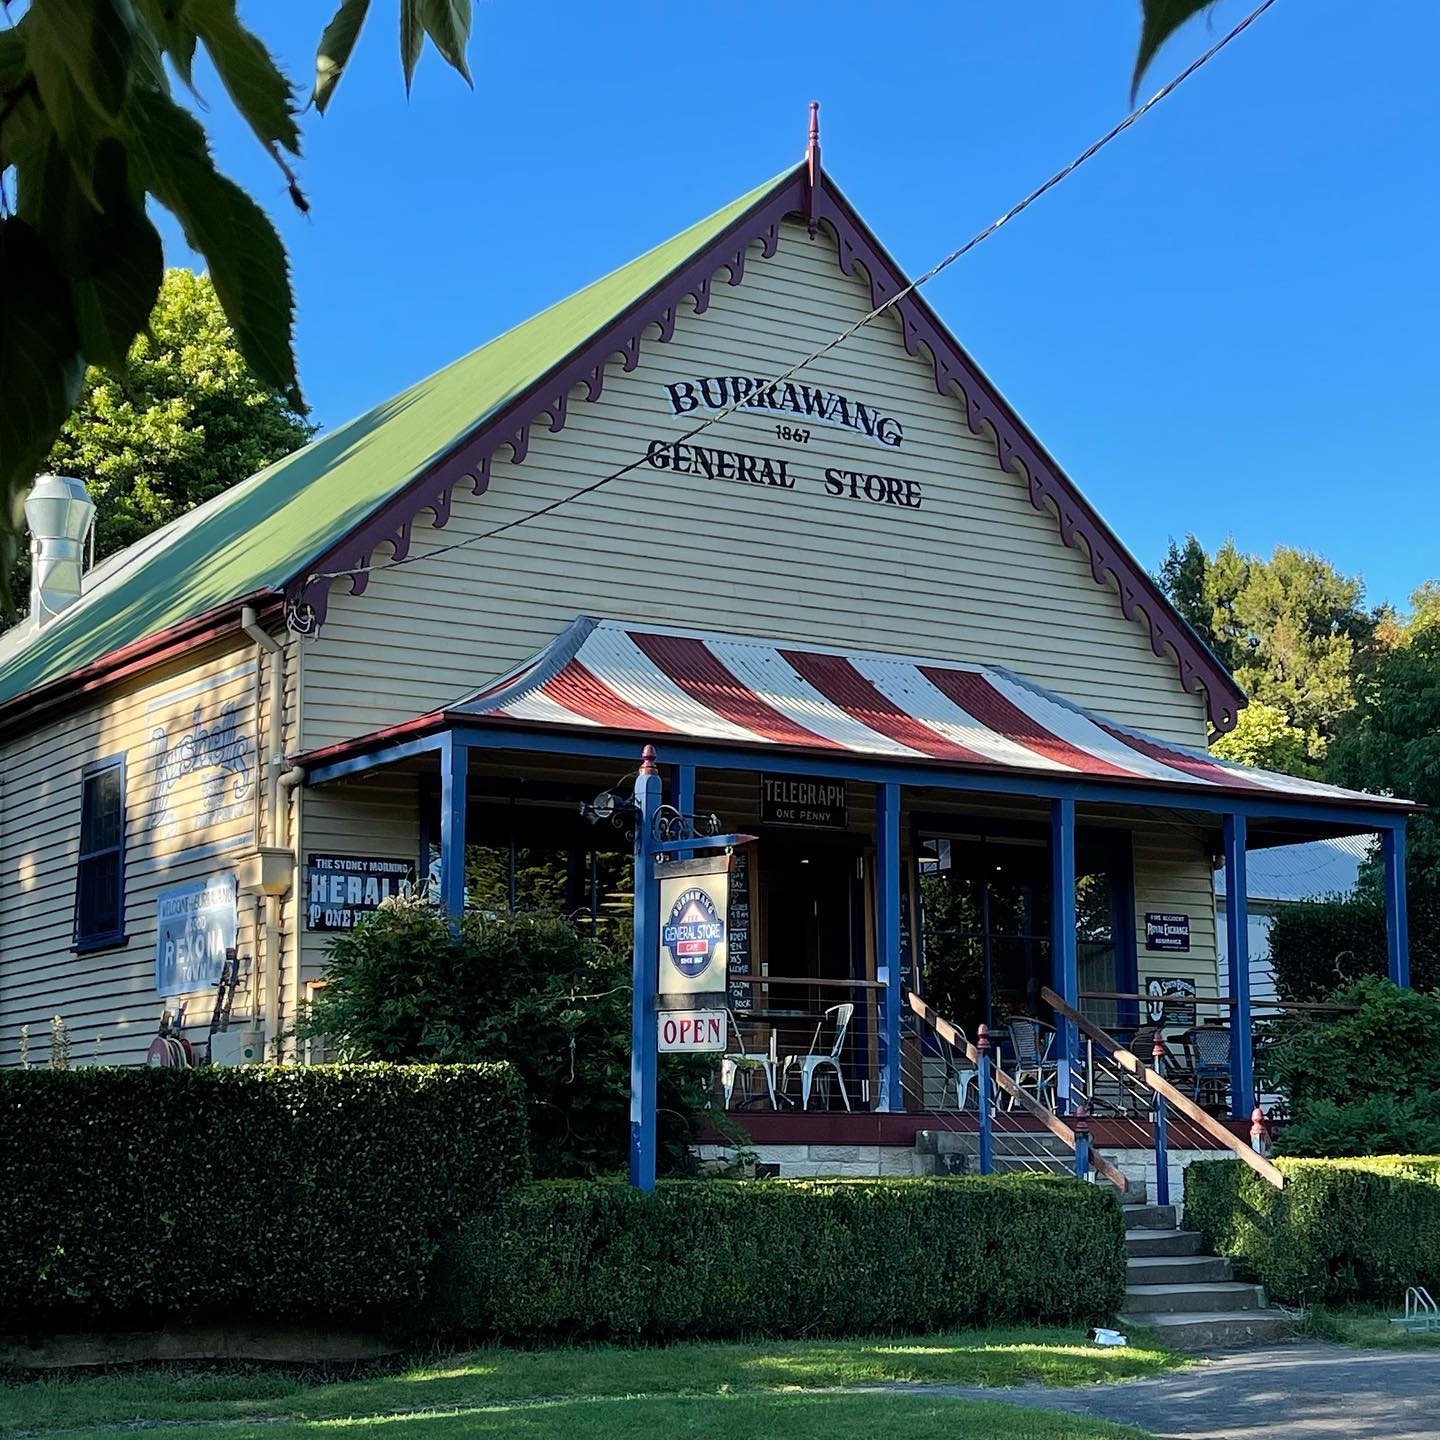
{"points": [[100, 872]]}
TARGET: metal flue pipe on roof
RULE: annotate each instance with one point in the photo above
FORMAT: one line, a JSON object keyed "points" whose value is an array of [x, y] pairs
{"points": [[59, 512]]}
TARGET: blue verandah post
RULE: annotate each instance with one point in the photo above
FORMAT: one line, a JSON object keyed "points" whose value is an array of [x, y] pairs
{"points": [[1065, 976], [454, 772], [1237, 944], [682, 795], [1080, 1127], [887, 947], [1397, 927], [982, 1081], [1162, 1138], [645, 980]]}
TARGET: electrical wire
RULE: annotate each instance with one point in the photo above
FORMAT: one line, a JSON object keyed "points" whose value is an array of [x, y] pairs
{"points": [[834, 343]]}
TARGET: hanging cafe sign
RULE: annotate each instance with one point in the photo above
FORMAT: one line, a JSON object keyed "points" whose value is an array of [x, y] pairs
{"points": [[694, 901]]}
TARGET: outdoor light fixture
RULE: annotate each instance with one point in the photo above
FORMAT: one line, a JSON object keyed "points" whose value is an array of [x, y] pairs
{"points": [[609, 807]]}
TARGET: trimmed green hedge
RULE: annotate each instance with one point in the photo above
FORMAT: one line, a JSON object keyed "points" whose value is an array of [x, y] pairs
{"points": [[571, 1260], [263, 1190], [1339, 1230]]}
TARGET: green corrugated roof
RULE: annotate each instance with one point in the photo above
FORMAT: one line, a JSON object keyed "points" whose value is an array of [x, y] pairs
{"points": [[261, 533]]}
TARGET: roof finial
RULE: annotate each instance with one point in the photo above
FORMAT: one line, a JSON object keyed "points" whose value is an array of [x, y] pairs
{"points": [[812, 168]]}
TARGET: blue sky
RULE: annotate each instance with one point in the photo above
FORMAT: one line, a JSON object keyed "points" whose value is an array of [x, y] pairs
{"points": [[1226, 323]]}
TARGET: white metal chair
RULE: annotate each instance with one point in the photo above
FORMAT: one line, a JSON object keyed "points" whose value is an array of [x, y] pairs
{"points": [[959, 1071], [1033, 1042], [739, 1061], [838, 1016]]}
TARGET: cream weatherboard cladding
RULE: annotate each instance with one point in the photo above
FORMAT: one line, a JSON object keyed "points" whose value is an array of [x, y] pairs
{"points": [[188, 737], [973, 573]]}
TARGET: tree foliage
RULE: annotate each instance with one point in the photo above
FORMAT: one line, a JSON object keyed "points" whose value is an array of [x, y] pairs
{"points": [[184, 419], [1295, 633], [1391, 740], [524, 988], [91, 132], [1367, 1082]]}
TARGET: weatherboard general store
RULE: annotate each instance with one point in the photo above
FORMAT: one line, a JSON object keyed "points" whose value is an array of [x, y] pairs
{"points": [[859, 612]]}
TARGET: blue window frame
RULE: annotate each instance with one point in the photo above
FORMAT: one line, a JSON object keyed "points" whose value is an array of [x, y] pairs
{"points": [[100, 871]]}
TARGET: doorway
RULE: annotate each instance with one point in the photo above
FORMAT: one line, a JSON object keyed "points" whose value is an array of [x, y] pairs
{"points": [[812, 934]]}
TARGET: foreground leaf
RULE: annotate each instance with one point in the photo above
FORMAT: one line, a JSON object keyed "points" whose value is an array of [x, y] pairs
{"points": [[1162, 19], [261, 93], [336, 45], [98, 47], [246, 259], [447, 23], [412, 38], [41, 367]]}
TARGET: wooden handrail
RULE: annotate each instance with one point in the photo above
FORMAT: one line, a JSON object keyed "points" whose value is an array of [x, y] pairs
{"points": [[1179, 1002], [1161, 1086], [820, 981], [1048, 1118]]}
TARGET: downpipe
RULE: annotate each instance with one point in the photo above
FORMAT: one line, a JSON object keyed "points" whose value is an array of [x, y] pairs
{"points": [[267, 810]]}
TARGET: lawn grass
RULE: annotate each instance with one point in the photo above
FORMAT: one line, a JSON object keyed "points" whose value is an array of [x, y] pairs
{"points": [[480, 1378], [733, 1417], [1367, 1327]]}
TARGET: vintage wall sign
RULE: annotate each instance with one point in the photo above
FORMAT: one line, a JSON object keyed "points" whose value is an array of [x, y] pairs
{"points": [[194, 926], [340, 889], [788, 397], [794, 800], [1166, 931], [780, 474], [1166, 1001], [200, 760]]}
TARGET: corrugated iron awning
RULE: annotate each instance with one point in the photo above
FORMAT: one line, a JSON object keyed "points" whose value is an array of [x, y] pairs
{"points": [[736, 689]]}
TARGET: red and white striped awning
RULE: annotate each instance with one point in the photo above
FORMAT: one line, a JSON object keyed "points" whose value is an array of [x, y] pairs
{"points": [[654, 682]]}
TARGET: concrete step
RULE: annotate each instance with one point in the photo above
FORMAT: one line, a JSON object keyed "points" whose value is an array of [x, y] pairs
{"points": [[1182, 1298], [1177, 1270], [1162, 1242], [1212, 1329], [1150, 1217]]}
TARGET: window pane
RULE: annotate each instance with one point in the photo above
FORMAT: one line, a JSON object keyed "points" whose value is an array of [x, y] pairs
{"points": [[99, 906], [100, 811]]}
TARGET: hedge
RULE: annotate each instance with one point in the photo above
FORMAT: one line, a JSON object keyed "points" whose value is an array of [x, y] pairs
{"points": [[261, 1190], [1339, 1230], [572, 1260], [1318, 944]]}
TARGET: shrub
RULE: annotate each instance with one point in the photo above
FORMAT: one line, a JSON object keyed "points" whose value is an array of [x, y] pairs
{"points": [[597, 1260], [264, 1190], [1319, 944], [1363, 1083], [526, 989], [1339, 1230]]}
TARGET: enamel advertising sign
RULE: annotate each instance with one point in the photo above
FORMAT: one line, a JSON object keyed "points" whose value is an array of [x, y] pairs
{"points": [[694, 904]]}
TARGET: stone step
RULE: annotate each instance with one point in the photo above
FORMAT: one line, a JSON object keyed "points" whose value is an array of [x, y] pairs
{"points": [[1181, 1298], [1019, 1164], [1150, 1217], [1212, 1329], [1177, 1270], [1162, 1242]]}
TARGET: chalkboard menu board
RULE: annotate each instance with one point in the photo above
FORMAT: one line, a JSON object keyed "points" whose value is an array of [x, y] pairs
{"points": [[739, 930]]}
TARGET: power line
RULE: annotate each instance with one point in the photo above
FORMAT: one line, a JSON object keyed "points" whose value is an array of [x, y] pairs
{"points": [[725, 412]]}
